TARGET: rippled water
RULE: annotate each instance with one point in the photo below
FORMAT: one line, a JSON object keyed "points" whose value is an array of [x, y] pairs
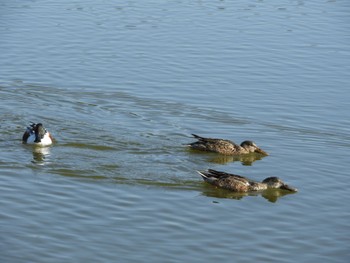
{"points": [[122, 85]]}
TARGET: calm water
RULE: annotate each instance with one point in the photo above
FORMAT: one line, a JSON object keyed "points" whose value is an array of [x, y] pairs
{"points": [[122, 85]]}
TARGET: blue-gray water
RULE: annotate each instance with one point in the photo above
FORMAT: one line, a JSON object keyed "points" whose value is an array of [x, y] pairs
{"points": [[122, 85]]}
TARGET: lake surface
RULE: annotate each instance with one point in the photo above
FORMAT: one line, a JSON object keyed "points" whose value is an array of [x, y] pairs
{"points": [[122, 85]]}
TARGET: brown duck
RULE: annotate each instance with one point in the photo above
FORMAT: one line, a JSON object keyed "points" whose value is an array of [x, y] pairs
{"points": [[239, 183], [225, 146]]}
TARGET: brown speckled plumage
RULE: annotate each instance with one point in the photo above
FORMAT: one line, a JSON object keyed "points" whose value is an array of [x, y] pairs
{"points": [[239, 183], [225, 146]]}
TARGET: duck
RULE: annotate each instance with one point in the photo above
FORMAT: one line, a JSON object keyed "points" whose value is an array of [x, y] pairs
{"points": [[238, 183], [225, 147], [36, 134]]}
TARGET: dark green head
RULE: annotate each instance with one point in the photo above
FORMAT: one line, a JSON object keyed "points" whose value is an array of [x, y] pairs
{"points": [[39, 131]]}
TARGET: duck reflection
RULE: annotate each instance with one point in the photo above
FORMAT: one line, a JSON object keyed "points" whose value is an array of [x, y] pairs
{"points": [[40, 155], [271, 195], [247, 159]]}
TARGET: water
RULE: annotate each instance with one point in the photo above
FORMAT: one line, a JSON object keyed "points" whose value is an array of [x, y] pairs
{"points": [[122, 85]]}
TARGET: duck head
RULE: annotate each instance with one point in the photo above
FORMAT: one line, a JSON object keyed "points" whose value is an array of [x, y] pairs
{"points": [[250, 146], [276, 183], [39, 131]]}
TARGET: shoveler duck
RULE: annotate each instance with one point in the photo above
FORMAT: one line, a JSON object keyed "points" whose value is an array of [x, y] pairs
{"points": [[239, 183], [225, 146], [37, 134]]}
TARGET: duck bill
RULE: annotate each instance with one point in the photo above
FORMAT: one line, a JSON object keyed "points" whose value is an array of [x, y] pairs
{"points": [[289, 188], [258, 150]]}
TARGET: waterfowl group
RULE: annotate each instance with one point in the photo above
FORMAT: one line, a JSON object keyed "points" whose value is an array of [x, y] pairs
{"points": [[36, 134], [225, 147]]}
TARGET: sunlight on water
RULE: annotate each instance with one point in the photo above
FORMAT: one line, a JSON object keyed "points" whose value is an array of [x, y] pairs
{"points": [[122, 86]]}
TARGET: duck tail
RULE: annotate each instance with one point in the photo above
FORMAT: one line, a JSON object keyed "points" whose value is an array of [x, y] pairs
{"points": [[206, 177], [197, 136], [193, 143]]}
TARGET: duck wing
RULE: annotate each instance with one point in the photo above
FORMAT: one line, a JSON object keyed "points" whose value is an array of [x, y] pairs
{"points": [[213, 175], [219, 174], [214, 145], [29, 131], [210, 140], [224, 180], [26, 135]]}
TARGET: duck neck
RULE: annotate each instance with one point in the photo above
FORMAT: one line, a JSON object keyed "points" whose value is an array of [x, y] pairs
{"points": [[255, 186], [244, 150]]}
